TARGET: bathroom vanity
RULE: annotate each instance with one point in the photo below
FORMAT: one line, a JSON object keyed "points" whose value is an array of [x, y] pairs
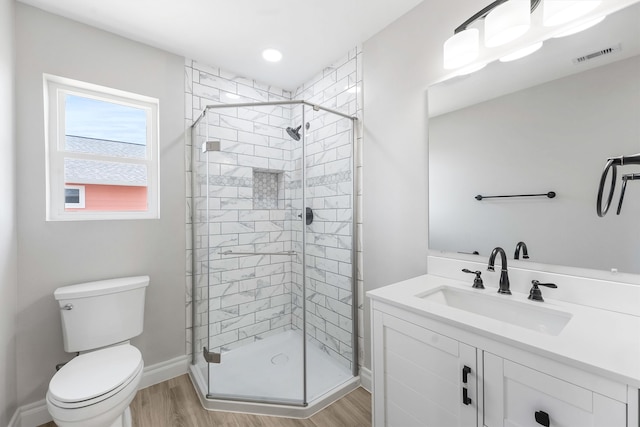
{"points": [[445, 354]]}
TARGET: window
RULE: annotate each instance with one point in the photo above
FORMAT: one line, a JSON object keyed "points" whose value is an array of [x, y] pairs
{"points": [[102, 152], [74, 196]]}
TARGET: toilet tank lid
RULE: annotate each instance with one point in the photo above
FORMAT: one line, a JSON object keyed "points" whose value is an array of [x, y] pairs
{"points": [[100, 287]]}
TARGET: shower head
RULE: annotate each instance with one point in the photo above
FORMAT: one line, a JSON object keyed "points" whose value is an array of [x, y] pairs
{"points": [[294, 133]]}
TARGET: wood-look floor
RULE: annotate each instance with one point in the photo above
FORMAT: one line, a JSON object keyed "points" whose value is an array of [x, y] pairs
{"points": [[174, 403]]}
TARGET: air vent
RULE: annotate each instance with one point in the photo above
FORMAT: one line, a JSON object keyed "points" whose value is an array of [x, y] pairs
{"points": [[593, 55]]}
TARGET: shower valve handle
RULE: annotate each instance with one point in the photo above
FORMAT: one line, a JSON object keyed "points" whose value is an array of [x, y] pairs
{"points": [[308, 216]]}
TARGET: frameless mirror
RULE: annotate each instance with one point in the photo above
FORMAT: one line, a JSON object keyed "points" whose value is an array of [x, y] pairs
{"points": [[545, 123]]}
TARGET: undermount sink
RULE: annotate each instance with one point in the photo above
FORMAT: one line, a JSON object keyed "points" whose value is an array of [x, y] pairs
{"points": [[502, 308]]}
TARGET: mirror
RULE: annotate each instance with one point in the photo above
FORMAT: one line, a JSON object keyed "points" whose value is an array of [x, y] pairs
{"points": [[544, 123]]}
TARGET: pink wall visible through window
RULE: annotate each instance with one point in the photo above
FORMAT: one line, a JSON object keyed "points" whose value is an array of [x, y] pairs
{"points": [[113, 198]]}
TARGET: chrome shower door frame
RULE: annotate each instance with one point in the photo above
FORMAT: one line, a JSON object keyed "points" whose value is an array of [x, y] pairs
{"points": [[197, 351]]}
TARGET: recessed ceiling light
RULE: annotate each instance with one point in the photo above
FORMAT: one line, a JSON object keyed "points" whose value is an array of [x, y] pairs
{"points": [[272, 55]]}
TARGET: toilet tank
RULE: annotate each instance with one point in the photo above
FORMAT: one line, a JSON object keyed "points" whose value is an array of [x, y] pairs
{"points": [[98, 314]]}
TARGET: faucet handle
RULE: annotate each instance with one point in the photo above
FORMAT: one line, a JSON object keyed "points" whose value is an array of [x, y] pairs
{"points": [[535, 294], [477, 281]]}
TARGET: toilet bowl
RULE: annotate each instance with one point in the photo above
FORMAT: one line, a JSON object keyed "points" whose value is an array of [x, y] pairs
{"points": [[96, 388]]}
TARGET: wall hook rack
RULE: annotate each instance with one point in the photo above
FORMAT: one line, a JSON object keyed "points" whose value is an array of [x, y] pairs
{"points": [[550, 194]]}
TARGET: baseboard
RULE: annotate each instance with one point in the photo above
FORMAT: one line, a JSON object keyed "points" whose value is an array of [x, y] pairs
{"points": [[15, 420], [365, 378], [35, 414], [164, 371]]}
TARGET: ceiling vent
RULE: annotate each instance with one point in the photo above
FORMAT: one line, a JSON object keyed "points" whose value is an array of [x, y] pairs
{"points": [[599, 53]]}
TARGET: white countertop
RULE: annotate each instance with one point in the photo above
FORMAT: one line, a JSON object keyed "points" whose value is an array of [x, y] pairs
{"points": [[603, 342]]}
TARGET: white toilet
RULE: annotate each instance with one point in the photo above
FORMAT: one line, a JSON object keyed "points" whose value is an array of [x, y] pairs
{"points": [[96, 387]]}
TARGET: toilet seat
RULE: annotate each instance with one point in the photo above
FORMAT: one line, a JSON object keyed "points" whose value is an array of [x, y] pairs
{"points": [[93, 377]]}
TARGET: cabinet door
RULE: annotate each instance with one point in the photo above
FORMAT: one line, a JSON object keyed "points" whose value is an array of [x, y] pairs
{"points": [[518, 396], [419, 377]]}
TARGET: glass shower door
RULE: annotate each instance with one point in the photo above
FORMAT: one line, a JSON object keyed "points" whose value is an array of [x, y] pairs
{"points": [[329, 247], [249, 190]]}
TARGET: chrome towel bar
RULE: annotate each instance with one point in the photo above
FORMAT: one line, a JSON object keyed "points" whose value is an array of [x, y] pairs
{"points": [[258, 253]]}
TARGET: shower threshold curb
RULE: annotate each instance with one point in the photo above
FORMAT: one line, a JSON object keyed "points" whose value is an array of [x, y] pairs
{"points": [[270, 409]]}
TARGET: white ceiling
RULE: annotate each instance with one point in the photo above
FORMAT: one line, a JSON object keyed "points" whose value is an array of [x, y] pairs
{"points": [[231, 34]]}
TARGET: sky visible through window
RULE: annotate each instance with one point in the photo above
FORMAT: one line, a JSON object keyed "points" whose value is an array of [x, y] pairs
{"points": [[92, 118]]}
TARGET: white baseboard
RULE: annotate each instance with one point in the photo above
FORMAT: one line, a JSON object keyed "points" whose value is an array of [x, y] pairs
{"points": [[35, 414], [365, 378], [15, 420], [31, 415], [164, 371]]}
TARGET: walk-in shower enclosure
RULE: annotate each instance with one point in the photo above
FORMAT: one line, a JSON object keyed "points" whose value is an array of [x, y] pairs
{"points": [[273, 253]]}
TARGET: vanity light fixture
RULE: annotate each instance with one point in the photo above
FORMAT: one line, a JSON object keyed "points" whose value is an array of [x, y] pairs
{"points": [[581, 27], [504, 21], [462, 48], [507, 22], [521, 53], [558, 12], [470, 69], [271, 55]]}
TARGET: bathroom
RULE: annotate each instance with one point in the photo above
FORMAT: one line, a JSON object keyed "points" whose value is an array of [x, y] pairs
{"points": [[397, 65]]}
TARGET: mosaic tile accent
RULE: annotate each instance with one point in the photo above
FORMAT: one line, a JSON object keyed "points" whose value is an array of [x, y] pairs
{"points": [[329, 179], [265, 190], [230, 181]]}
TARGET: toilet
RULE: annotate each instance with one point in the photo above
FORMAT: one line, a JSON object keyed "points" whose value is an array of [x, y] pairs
{"points": [[95, 388]]}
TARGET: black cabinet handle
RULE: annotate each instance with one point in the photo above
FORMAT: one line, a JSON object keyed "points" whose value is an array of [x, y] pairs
{"points": [[465, 371], [542, 418], [465, 398]]}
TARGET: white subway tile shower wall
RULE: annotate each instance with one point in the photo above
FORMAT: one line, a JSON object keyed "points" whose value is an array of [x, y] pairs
{"points": [[251, 297]]}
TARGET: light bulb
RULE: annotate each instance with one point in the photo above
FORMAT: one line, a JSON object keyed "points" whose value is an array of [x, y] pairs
{"points": [[581, 27], [461, 48], [521, 53], [558, 12], [507, 22]]}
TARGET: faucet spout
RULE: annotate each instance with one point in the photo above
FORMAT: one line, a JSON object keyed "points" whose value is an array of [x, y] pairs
{"points": [[504, 276], [525, 252]]}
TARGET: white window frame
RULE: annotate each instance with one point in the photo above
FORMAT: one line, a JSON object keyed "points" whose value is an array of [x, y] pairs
{"points": [[80, 204], [55, 90]]}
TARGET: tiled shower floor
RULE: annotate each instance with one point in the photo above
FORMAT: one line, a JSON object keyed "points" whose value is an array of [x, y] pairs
{"points": [[272, 369]]}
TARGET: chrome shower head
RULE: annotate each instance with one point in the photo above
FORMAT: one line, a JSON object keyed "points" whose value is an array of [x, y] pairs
{"points": [[294, 133]]}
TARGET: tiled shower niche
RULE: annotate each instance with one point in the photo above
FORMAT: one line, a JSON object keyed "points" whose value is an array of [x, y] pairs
{"points": [[268, 189]]}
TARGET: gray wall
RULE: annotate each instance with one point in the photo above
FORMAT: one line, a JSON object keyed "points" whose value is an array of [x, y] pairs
{"points": [[399, 63], [53, 254], [8, 228]]}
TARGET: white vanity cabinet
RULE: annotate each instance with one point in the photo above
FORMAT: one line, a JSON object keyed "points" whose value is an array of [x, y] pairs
{"points": [[518, 396], [421, 378], [431, 374]]}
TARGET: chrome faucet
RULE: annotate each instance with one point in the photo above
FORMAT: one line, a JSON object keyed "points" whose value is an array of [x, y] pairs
{"points": [[504, 277], [525, 252]]}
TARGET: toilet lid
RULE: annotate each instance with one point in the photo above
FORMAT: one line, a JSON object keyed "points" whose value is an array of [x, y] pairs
{"points": [[93, 374]]}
